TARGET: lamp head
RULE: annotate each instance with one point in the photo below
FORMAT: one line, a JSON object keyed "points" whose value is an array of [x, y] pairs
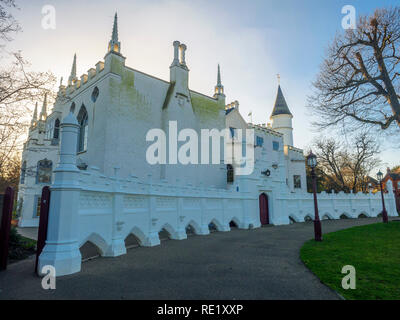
{"points": [[312, 160], [379, 175]]}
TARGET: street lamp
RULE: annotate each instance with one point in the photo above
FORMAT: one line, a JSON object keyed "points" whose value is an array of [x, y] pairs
{"points": [[384, 212], [312, 163]]}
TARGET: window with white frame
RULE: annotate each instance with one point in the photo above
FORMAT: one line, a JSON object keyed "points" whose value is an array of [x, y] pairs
{"points": [[297, 181]]}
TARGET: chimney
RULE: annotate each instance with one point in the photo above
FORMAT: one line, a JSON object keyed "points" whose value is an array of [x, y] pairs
{"points": [[179, 73], [183, 48], [176, 45]]}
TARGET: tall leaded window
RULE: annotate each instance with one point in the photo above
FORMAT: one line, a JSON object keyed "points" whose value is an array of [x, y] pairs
{"points": [[50, 130], [56, 133], [95, 94], [83, 129], [44, 171], [23, 173]]}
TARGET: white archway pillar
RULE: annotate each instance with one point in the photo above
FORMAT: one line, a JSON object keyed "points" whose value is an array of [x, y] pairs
{"points": [[62, 248]]}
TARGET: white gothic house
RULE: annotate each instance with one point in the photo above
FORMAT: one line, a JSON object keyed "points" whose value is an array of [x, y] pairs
{"points": [[92, 149]]}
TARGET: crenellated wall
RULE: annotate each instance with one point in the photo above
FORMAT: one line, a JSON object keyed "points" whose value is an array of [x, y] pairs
{"points": [[89, 206], [110, 209], [300, 207]]}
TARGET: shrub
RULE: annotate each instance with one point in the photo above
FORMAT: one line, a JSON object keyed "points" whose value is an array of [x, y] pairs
{"points": [[19, 247]]}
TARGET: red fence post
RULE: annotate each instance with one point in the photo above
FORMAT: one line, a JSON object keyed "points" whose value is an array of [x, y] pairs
{"points": [[43, 222], [8, 204]]}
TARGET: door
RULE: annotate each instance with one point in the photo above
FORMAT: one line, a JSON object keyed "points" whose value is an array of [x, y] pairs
{"points": [[264, 213]]}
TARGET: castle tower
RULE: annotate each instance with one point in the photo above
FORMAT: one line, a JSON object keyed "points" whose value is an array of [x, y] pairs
{"points": [[282, 118]]}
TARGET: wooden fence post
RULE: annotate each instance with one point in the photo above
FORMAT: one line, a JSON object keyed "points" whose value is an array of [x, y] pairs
{"points": [[43, 222]]}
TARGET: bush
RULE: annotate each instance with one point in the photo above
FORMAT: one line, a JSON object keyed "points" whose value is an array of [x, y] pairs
{"points": [[19, 247]]}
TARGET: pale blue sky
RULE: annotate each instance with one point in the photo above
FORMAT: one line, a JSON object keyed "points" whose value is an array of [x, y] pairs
{"points": [[252, 40]]}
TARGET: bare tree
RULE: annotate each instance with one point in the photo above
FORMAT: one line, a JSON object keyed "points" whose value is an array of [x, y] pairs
{"points": [[10, 175], [359, 81], [19, 88], [344, 167], [8, 24]]}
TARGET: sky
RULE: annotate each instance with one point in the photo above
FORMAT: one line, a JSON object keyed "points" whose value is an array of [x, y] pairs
{"points": [[252, 40]]}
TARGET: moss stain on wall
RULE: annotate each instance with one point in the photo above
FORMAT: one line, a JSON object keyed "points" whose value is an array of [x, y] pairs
{"points": [[131, 103], [206, 109]]}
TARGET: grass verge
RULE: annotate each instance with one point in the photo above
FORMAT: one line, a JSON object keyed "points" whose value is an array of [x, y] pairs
{"points": [[374, 251]]}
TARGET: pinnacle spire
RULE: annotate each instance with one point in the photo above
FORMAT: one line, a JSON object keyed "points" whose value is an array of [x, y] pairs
{"points": [[115, 29], [43, 113], [34, 117], [280, 106], [72, 76], [114, 45], [219, 76], [219, 88]]}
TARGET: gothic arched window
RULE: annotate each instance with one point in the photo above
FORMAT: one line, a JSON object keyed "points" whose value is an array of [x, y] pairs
{"points": [[56, 133], [72, 109], [83, 129], [95, 94], [44, 171], [23, 173]]}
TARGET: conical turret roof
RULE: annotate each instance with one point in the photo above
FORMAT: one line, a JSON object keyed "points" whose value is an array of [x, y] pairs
{"points": [[280, 106]]}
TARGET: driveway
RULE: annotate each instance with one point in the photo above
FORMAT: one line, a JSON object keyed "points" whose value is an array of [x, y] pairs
{"points": [[242, 264]]}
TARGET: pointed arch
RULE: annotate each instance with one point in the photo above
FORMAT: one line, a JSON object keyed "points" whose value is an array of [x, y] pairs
{"points": [[234, 222], [95, 94], [345, 215], [56, 133], [196, 228], [216, 224], [83, 120], [327, 216], [362, 215], [308, 218], [94, 242], [167, 231], [135, 237]]}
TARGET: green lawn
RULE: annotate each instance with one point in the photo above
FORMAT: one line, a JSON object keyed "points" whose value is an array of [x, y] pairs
{"points": [[374, 251]]}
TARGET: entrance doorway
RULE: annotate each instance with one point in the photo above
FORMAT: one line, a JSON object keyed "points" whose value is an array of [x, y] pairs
{"points": [[264, 211]]}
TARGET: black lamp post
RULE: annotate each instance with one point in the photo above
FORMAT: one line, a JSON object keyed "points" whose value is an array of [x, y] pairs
{"points": [[312, 163], [384, 212]]}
